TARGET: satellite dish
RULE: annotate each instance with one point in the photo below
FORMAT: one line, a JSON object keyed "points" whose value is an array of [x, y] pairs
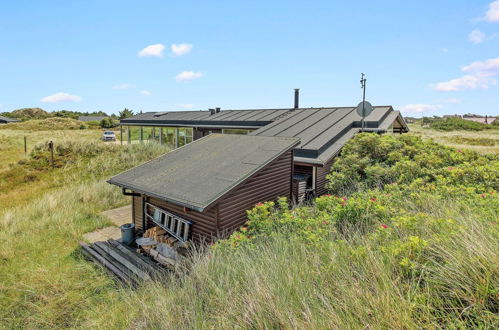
{"points": [[364, 109]]}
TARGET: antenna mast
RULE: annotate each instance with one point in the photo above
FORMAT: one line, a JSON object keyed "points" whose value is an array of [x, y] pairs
{"points": [[363, 86]]}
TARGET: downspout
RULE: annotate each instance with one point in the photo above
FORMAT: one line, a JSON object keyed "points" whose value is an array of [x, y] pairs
{"points": [[291, 197], [130, 193], [314, 178], [134, 194], [144, 214], [217, 221]]}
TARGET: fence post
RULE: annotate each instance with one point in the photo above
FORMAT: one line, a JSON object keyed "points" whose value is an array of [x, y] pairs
{"points": [[25, 146], [51, 147]]}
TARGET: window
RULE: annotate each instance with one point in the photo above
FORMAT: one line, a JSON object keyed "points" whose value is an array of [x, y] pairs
{"points": [[181, 136], [174, 225]]}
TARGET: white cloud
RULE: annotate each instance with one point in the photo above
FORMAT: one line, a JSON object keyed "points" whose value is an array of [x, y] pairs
{"points": [[61, 97], [489, 67], [152, 50], [476, 36], [418, 108], [492, 15], [186, 105], [181, 49], [147, 93], [453, 100], [188, 75], [465, 82], [123, 86], [479, 75]]}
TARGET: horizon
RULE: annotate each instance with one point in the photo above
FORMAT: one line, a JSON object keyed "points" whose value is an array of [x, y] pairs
{"points": [[91, 56]]}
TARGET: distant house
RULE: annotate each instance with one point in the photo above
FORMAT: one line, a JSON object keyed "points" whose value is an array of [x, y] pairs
{"points": [[6, 120], [91, 118], [481, 120], [229, 160]]}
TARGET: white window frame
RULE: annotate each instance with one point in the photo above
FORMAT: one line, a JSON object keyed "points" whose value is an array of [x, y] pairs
{"points": [[173, 224]]}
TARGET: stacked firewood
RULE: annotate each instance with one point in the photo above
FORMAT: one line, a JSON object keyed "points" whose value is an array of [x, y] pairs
{"points": [[174, 248], [161, 236]]}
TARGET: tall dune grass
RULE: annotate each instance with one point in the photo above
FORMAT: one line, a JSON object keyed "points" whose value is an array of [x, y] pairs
{"points": [[435, 265], [351, 283]]}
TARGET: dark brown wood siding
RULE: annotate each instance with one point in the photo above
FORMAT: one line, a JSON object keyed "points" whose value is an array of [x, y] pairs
{"points": [[320, 178], [303, 169], [268, 184], [137, 212], [229, 213], [203, 223]]}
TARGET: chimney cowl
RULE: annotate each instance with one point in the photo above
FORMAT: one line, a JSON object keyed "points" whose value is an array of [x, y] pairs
{"points": [[217, 110], [297, 98], [212, 111]]}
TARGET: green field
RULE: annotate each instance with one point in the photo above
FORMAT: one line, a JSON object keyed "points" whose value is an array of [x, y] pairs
{"points": [[408, 238], [481, 141]]}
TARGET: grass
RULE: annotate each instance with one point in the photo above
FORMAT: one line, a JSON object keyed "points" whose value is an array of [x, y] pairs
{"points": [[21, 182], [54, 123], [354, 280], [483, 141]]}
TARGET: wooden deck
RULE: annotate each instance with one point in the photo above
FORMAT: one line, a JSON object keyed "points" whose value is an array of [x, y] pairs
{"points": [[122, 262]]}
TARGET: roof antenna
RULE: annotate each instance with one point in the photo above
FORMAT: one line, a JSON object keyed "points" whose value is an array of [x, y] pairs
{"points": [[364, 108]]}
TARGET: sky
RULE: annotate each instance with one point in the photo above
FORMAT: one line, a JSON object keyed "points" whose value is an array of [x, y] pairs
{"points": [[423, 57]]}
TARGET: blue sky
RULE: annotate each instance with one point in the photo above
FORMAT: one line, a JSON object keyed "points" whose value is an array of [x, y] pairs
{"points": [[423, 57]]}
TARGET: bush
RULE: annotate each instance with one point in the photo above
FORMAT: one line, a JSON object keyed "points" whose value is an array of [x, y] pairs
{"points": [[372, 161], [452, 124], [54, 123], [108, 123], [407, 217]]}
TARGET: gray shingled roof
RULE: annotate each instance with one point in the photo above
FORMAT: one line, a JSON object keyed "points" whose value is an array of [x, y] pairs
{"points": [[198, 174], [227, 118], [8, 120], [91, 118], [323, 131]]}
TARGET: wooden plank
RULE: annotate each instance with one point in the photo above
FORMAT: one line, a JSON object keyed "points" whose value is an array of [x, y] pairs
{"points": [[115, 263], [140, 273], [97, 263], [119, 274], [140, 262]]}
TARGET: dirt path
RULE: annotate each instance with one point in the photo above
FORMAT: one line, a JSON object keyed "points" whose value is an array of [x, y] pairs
{"points": [[118, 216]]}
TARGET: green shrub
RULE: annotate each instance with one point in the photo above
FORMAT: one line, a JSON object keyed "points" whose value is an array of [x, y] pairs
{"points": [[372, 161], [452, 124], [54, 123], [107, 123]]}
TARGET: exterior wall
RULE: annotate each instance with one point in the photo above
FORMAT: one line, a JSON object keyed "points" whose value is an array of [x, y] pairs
{"points": [[320, 179], [203, 223], [229, 213], [137, 212], [200, 132], [267, 185], [303, 169]]}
